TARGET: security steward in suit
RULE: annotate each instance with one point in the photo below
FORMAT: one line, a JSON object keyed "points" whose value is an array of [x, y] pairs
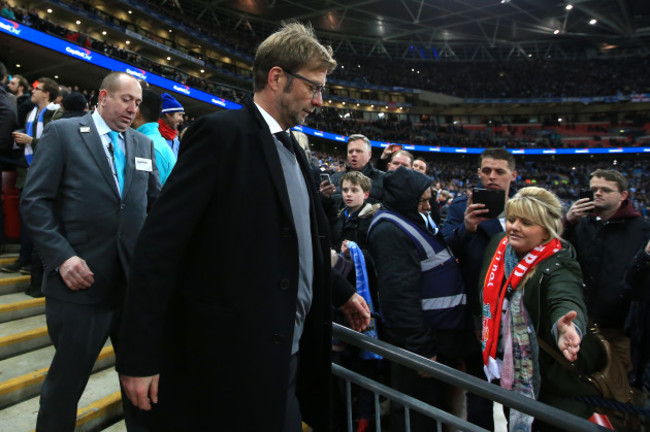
{"points": [[86, 197]]}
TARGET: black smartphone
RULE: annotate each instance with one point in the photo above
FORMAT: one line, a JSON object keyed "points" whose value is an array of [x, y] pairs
{"points": [[494, 200], [325, 177], [587, 193]]}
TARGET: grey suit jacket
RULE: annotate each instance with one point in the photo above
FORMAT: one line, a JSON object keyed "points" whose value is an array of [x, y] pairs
{"points": [[71, 206]]}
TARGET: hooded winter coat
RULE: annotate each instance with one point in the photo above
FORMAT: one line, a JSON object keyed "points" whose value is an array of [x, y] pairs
{"points": [[399, 270]]}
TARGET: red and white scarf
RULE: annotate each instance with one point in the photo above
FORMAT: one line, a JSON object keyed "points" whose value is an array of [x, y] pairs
{"points": [[494, 291]]}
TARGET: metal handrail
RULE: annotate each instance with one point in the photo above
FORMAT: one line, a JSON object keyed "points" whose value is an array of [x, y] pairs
{"points": [[405, 400], [539, 410]]}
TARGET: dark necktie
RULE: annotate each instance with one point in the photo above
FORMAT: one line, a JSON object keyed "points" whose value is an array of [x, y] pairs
{"points": [[285, 139]]}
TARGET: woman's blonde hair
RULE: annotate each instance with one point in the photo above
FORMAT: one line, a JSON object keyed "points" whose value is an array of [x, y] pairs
{"points": [[539, 206]]}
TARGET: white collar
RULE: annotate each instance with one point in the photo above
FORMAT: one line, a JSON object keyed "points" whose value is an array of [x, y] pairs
{"points": [[100, 124], [273, 124]]}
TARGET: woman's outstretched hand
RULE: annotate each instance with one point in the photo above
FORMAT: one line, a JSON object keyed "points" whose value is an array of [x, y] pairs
{"points": [[568, 340]]}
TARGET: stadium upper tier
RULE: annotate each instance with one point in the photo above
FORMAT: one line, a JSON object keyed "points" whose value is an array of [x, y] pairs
{"points": [[232, 49], [417, 135]]}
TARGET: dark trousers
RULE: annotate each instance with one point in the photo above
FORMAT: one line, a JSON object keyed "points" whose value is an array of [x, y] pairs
{"points": [[78, 333], [350, 358], [36, 280], [26, 245], [428, 390], [292, 416]]}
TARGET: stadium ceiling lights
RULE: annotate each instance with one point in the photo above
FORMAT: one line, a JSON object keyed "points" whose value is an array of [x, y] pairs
{"points": [[593, 21], [569, 7]]}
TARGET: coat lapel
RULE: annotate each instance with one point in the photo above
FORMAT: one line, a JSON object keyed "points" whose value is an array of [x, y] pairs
{"points": [[93, 141], [275, 168], [271, 157]]}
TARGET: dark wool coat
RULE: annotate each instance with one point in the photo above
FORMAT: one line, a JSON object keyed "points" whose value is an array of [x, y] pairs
{"points": [[212, 294]]}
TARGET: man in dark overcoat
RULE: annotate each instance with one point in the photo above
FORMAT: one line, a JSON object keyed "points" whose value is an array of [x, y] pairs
{"points": [[227, 320]]}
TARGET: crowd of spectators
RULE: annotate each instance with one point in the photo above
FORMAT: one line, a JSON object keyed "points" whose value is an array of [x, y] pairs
{"points": [[518, 78], [393, 128], [457, 175], [32, 19], [523, 78], [390, 128]]}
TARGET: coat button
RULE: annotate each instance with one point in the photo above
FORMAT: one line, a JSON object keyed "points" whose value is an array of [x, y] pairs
{"points": [[122, 206], [277, 338], [284, 284]]}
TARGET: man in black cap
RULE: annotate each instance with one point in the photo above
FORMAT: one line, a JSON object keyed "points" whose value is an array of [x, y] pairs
{"points": [[74, 105]]}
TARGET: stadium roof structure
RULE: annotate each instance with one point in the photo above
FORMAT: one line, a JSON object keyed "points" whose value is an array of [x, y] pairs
{"points": [[449, 29]]}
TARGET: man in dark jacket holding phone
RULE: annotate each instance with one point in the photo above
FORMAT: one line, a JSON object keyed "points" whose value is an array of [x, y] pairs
{"points": [[468, 231], [607, 233]]}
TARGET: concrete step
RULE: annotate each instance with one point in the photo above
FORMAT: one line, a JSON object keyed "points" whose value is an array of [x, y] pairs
{"points": [[117, 427], [19, 305], [21, 376], [10, 250], [25, 356], [100, 406], [13, 283], [22, 335], [4, 260]]}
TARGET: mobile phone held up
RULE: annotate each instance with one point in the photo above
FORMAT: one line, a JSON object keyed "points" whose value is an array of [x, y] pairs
{"points": [[587, 193], [494, 200], [325, 177]]}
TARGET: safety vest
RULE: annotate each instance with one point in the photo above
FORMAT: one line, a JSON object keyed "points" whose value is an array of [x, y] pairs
{"points": [[442, 291]]}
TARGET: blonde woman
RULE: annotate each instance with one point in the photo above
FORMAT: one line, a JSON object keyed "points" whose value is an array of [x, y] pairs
{"points": [[532, 288]]}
